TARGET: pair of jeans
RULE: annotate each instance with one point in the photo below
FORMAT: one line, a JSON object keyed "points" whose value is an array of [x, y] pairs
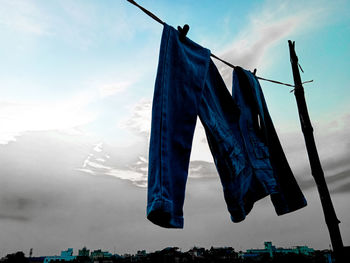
{"points": [[188, 85], [262, 140]]}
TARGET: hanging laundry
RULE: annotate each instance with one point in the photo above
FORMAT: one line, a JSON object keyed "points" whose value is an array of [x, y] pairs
{"points": [[188, 85], [262, 142]]}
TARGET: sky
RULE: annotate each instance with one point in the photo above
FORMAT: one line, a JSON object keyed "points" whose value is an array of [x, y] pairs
{"points": [[76, 83]]}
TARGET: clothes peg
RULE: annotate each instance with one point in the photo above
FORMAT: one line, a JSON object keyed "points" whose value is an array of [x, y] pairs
{"points": [[183, 32], [254, 72]]}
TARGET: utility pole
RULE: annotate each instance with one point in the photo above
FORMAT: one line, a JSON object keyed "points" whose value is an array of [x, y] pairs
{"points": [[316, 168]]}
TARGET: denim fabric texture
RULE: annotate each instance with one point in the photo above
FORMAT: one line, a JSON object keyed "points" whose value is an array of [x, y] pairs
{"points": [[188, 85], [247, 93]]}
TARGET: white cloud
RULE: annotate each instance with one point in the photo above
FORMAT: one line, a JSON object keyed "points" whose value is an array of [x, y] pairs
{"points": [[18, 117], [139, 120], [98, 147], [137, 178], [135, 171], [268, 26], [331, 136]]}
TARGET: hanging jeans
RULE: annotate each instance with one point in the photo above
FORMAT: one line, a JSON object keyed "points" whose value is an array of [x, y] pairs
{"points": [[189, 85], [256, 122]]}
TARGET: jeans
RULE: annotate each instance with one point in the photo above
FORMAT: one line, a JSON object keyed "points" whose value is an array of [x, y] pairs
{"points": [[189, 85], [257, 123]]}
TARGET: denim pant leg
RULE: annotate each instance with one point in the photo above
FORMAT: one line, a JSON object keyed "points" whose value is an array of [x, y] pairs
{"points": [[247, 92], [221, 118], [182, 69]]}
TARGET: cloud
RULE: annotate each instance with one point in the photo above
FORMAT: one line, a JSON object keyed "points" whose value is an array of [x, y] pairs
{"points": [[35, 171], [249, 49], [331, 138], [18, 117], [19, 206], [267, 27], [42, 196], [332, 142], [135, 168], [139, 120], [14, 218], [337, 183], [62, 190], [99, 163], [76, 110]]}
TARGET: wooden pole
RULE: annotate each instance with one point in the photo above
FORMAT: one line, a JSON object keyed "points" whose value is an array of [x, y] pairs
{"points": [[316, 168]]}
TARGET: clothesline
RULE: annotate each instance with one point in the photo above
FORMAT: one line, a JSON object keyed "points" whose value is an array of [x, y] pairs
{"points": [[212, 55]]}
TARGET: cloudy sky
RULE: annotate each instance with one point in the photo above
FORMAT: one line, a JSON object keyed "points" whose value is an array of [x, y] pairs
{"points": [[76, 82]]}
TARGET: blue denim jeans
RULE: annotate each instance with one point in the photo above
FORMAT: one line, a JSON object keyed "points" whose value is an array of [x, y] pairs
{"points": [[189, 85], [263, 140]]}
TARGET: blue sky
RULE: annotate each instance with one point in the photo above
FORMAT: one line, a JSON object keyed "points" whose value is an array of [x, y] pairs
{"points": [[76, 82], [98, 55]]}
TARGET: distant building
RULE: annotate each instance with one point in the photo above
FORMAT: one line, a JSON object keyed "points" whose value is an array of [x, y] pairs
{"points": [[223, 253], [270, 250], [196, 252], [84, 252], [66, 255], [141, 253], [98, 254], [169, 254], [36, 259]]}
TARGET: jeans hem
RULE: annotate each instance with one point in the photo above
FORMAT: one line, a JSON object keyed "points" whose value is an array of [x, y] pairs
{"points": [[238, 215], [286, 207], [160, 212]]}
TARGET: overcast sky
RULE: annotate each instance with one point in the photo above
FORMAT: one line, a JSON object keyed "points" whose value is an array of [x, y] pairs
{"points": [[76, 82]]}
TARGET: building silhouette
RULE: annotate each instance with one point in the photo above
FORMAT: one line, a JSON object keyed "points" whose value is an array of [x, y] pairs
{"points": [[271, 250], [84, 252], [269, 254], [66, 255]]}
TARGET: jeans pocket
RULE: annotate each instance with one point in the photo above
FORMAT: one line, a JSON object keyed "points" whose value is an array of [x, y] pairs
{"points": [[236, 160]]}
